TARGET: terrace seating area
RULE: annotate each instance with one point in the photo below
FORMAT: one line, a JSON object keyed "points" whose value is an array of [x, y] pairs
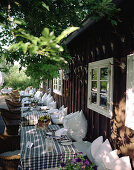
{"points": [[37, 133]]}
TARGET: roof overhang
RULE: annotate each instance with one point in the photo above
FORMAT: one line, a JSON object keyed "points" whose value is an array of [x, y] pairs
{"points": [[86, 25]]}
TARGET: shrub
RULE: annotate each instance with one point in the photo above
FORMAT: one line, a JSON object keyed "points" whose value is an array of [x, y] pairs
{"points": [[18, 79]]}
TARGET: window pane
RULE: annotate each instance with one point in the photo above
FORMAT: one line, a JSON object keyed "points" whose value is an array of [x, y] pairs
{"points": [[60, 88], [103, 87], [59, 82], [104, 74], [103, 100], [93, 98], [94, 74], [94, 86]]}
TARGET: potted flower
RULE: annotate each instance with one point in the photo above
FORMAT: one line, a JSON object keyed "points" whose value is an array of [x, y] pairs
{"points": [[44, 121], [79, 162], [34, 102]]}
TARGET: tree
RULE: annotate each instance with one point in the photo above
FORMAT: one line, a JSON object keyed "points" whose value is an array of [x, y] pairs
{"points": [[44, 52], [18, 79]]}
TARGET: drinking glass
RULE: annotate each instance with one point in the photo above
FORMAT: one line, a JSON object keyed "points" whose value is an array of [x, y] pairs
{"points": [[49, 144]]}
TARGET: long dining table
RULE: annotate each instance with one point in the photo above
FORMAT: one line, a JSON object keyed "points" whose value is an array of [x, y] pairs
{"points": [[34, 154], [36, 157]]}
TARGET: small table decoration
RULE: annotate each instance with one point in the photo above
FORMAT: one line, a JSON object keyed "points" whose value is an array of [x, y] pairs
{"points": [[34, 103], [79, 162], [44, 121]]}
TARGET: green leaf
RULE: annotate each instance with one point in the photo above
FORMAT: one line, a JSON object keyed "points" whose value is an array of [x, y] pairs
{"points": [[113, 22], [34, 40], [45, 6], [24, 47], [33, 49], [14, 47], [45, 32], [19, 21], [65, 33]]}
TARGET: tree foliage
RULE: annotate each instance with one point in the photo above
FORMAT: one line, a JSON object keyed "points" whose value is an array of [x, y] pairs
{"points": [[42, 54], [34, 29], [18, 79]]}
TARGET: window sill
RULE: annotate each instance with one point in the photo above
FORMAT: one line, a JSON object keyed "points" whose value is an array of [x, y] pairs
{"points": [[101, 110]]}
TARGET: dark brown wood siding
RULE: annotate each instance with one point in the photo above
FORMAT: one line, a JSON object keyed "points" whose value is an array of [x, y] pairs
{"points": [[99, 41]]}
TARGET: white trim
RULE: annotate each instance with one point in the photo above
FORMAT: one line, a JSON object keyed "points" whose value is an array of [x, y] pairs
{"points": [[96, 107], [57, 85], [129, 115]]}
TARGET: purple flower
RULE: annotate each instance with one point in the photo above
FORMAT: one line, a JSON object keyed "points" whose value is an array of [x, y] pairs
{"points": [[87, 162], [72, 162], [83, 166], [63, 164], [95, 168], [80, 153], [78, 159]]}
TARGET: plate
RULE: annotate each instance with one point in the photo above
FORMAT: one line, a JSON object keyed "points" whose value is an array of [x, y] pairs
{"points": [[48, 133], [66, 143]]}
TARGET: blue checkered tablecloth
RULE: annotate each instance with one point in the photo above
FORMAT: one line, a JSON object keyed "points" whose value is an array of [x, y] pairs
{"points": [[36, 157]]}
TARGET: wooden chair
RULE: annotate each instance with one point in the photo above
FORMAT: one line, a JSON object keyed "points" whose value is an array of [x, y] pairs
{"points": [[13, 106], [16, 92], [9, 152], [14, 98], [11, 121]]}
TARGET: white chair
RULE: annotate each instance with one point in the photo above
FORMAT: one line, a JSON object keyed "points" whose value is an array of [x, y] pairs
{"points": [[49, 100], [59, 117], [43, 99], [76, 125], [52, 105], [38, 95], [55, 111]]}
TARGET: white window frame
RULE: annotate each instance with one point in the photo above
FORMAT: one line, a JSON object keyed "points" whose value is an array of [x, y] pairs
{"points": [[129, 116], [57, 86], [106, 111]]}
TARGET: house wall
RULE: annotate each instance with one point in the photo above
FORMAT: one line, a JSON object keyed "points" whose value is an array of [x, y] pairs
{"points": [[101, 41]]}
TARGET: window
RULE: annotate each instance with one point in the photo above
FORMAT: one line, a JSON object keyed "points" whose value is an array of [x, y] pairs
{"points": [[100, 86], [129, 120], [57, 84]]}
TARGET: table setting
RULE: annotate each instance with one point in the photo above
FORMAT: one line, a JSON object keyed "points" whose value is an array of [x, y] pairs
{"points": [[33, 117], [42, 143], [41, 149]]}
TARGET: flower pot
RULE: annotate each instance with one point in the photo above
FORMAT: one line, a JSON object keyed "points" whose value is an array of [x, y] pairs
{"points": [[41, 123], [47, 123]]}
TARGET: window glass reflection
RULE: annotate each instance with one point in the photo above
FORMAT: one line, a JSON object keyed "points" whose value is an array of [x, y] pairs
{"points": [[94, 98], [59, 88], [104, 73], [94, 74], [103, 87], [94, 86], [103, 100], [59, 81]]}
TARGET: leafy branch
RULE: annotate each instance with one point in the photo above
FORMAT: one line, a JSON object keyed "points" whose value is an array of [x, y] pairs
{"points": [[45, 52], [103, 8]]}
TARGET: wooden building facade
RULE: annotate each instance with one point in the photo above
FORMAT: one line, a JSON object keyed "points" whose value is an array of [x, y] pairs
{"points": [[96, 41]]}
